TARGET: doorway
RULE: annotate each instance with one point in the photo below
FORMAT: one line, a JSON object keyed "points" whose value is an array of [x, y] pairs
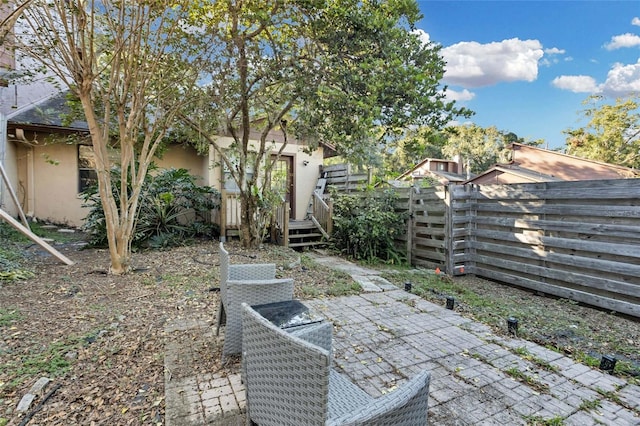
{"points": [[282, 181]]}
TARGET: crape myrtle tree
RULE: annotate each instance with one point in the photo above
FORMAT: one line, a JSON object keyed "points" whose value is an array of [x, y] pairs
{"points": [[348, 72], [123, 62], [612, 133]]}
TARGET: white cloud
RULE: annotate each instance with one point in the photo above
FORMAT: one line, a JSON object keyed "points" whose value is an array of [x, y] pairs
{"points": [[465, 95], [635, 21], [622, 80], [554, 51], [424, 36], [471, 64], [576, 83], [623, 40]]}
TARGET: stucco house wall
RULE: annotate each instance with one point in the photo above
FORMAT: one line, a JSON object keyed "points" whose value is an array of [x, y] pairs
{"points": [[306, 168], [46, 182], [45, 176], [11, 169]]}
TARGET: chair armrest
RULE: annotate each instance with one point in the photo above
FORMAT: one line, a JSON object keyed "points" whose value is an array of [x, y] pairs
{"points": [[257, 271], [407, 405], [318, 334]]}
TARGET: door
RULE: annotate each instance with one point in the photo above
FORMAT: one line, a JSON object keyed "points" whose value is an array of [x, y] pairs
{"points": [[282, 181]]}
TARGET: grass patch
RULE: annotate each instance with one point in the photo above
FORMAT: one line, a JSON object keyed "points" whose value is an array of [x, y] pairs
{"points": [[9, 316], [344, 288], [530, 381], [541, 421], [310, 292], [51, 362], [525, 354], [589, 405]]}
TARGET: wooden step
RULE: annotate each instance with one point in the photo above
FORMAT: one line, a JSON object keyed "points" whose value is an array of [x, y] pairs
{"points": [[308, 244], [301, 236], [301, 224]]}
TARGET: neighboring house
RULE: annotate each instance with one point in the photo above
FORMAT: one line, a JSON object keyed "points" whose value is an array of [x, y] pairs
{"points": [[48, 172], [444, 171], [533, 164]]}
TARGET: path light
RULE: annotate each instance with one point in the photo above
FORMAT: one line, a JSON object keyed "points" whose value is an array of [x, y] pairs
{"points": [[512, 325], [607, 363], [450, 302], [407, 286]]}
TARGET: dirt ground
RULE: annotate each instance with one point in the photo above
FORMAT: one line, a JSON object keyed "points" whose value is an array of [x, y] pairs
{"points": [[100, 338]]}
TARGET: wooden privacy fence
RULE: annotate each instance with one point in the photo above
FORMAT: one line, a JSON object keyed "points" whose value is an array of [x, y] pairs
{"points": [[576, 240]]}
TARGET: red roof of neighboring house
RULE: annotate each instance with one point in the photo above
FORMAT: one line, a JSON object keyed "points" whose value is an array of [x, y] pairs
{"points": [[533, 164]]}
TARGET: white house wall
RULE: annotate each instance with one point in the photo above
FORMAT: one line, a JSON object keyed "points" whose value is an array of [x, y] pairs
{"points": [[305, 170]]}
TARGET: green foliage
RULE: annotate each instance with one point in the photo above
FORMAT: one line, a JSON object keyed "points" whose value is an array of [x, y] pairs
{"points": [[8, 316], [12, 260], [350, 72], [612, 134], [541, 421], [344, 288], [51, 362], [366, 225], [479, 147], [415, 146], [10, 234], [172, 208]]}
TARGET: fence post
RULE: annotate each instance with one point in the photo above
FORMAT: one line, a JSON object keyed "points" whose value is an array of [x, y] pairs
{"points": [[330, 218], [223, 216], [410, 227], [448, 230]]}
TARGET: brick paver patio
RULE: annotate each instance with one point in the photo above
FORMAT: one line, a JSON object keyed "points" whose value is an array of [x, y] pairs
{"points": [[382, 338]]}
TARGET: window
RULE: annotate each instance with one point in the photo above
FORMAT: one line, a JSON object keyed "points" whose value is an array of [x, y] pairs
{"points": [[230, 185], [87, 175]]}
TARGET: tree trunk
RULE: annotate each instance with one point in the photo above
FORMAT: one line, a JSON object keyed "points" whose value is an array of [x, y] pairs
{"points": [[117, 232], [249, 207]]}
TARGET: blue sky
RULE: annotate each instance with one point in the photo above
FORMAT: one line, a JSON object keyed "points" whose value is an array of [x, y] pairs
{"points": [[527, 66]]}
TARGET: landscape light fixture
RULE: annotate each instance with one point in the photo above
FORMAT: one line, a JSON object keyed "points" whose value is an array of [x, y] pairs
{"points": [[512, 325], [607, 363], [450, 302]]}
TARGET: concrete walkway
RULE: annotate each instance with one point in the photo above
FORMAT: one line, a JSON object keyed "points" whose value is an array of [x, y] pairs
{"points": [[386, 335]]}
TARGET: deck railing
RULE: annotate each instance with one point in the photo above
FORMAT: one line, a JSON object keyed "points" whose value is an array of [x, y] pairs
{"points": [[229, 215], [322, 215], [280, 225]]}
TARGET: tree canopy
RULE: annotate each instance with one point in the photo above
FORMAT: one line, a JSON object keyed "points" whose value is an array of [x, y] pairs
{"points": [[122, 62], [612, 133], [347, 72]]}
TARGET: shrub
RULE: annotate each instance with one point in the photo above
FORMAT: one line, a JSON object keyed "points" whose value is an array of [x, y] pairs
{"points": [[172, 208], [366, 225]]}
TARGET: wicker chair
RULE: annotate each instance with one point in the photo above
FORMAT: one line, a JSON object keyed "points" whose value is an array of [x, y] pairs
{"points": [[289, 381], [251, 283]]}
